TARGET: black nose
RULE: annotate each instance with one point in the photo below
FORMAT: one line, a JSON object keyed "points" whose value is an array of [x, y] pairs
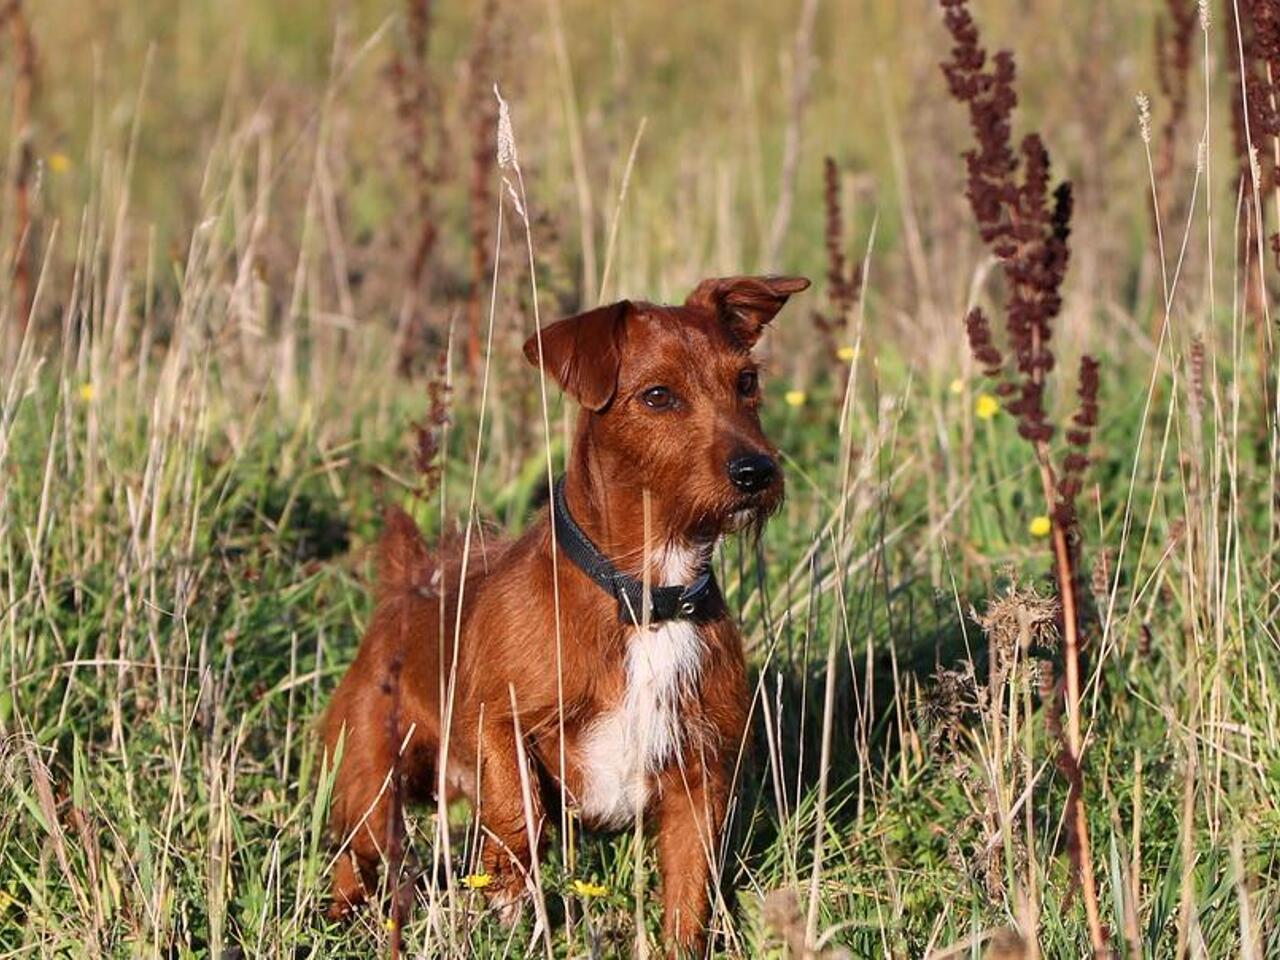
{"points": [[752, 472]]}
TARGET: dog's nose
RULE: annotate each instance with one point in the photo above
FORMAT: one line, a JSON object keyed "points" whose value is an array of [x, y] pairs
{"points": [[752, 472]]}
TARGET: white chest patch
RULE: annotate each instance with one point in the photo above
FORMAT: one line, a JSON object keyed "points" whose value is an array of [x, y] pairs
{"points": [[625, 746]]}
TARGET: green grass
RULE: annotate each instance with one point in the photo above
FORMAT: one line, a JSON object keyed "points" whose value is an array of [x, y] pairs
{"points": [[193, 470]]}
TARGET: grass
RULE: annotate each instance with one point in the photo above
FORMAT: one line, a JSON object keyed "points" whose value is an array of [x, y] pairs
{"points": [[203, 423]]}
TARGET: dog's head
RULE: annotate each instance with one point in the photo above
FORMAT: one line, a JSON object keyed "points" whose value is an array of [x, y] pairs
{"points": [[671, 399]]}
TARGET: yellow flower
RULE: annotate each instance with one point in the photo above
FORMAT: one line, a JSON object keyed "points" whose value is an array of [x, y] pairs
{"points": [[476, 881], [957, 386], [795, 398], [86, 392], [847, 353], [6, 899], [587, 889], [59, 162], [986, 407], [1040, 526]]}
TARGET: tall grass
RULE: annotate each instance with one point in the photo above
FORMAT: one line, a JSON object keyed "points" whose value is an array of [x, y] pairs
{"points": [[201, 423]]}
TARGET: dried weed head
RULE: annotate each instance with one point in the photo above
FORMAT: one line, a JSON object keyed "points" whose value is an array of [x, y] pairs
{"points": [[944, 706], [1007, 944], [428, 433], [844, 278], [786, 921], [1019, 624]]}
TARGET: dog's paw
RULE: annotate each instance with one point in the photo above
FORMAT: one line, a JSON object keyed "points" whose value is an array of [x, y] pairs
{"points": [[508, 903], [348, 889], [340, 910]]}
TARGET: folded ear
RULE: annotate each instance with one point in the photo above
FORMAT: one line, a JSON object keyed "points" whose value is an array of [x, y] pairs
{"points": [[583, 353], [746, 304]]}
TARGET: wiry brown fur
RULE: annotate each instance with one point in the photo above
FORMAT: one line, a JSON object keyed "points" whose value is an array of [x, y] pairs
{"points": [[506, 637]]}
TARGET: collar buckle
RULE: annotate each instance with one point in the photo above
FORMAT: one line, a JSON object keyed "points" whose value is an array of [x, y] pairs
{"points": [[664, 603], [692, 595]]}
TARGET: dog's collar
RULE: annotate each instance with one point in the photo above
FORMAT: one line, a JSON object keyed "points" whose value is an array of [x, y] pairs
{"points": [[665, 603]]}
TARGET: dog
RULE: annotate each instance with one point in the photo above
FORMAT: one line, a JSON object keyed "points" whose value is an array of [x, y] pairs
{"points": [[594, 657]]}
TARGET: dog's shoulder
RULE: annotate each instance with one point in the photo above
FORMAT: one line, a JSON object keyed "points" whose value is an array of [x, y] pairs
{"points": [[457, 559]]}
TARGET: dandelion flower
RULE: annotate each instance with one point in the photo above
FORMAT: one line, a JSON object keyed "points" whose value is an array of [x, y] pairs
{"points": [[1040, 526], [847, 353], [585, 888], [957, 386], [59, 162], [476, 881], [86, 392], [795, 398], [986, 406]]}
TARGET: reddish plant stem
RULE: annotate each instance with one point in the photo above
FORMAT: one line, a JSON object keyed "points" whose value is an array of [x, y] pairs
{"points": [[414, 94], [1065, 574], [484, 112]]}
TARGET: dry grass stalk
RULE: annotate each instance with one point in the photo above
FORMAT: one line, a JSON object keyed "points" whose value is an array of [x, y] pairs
{"points": [[13, 16], [616, 219], [802, 70], [514, 188], [824, 768], [1030, 239], [577, 154]]}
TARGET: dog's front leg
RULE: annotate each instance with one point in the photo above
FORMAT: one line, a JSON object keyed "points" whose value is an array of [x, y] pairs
{"points": [[689, 821], [506, 793]]}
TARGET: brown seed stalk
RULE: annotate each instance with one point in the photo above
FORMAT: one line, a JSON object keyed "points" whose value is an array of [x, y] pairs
{"points": [[1009, 196]]}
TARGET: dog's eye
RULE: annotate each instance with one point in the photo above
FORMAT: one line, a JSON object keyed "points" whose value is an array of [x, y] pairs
{"points": [[659, 398], [748, 383]]}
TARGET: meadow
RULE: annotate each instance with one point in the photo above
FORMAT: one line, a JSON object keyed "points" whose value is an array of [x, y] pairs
{"points": [[1015, 634]]}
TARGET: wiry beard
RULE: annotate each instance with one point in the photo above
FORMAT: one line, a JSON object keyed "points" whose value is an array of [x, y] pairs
{"points": [[750, 521], [747, 517]]}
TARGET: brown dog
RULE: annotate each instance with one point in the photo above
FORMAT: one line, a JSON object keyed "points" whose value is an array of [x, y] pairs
{"points": [[629, 707]]}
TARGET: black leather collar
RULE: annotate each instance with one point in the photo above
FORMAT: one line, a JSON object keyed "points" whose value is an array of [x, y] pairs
{"points": [[692, 602]]}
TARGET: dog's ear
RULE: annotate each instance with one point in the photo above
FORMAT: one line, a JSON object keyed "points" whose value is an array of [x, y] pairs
{"points": [[583, 353], [746, 304]]}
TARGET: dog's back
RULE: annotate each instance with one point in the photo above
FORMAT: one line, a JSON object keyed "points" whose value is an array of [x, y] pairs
{"points": [[406, 564], [396, 683]]}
